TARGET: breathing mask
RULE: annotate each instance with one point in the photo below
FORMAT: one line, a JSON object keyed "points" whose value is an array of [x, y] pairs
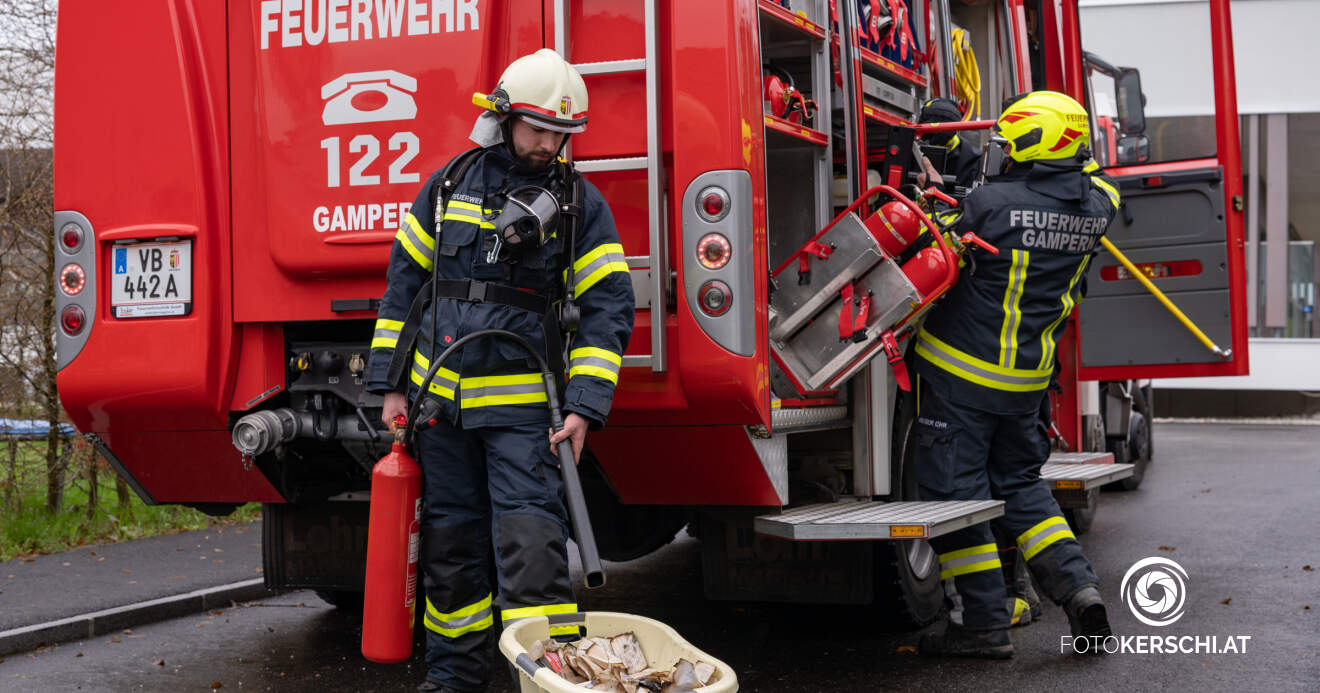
{"points": [[529, 220]]}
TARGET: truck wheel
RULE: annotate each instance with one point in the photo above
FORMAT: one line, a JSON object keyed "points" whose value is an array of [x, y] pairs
{"points": [[908, 593], [344, 600], [1080, 519], [624, 532], [1137, 452]]}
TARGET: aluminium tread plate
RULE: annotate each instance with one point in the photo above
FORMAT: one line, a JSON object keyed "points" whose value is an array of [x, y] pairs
{"points": [[877, 519], [1083, 477], [1081, 457], [793, 417]]}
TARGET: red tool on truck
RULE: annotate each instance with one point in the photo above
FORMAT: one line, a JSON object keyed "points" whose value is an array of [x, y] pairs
{"points": [[229, 177]]}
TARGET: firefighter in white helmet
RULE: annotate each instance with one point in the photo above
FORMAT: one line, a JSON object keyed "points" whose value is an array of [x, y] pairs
{"points": [[491, 238]]}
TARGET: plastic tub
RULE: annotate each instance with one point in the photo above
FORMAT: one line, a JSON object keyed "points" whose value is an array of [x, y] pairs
{"points": [[662, 645]]}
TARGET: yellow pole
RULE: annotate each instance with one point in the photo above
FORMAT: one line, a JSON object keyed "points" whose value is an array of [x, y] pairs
{"points": [[1150, 286]]}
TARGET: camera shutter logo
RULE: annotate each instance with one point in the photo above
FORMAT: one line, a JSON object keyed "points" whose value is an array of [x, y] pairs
{"points": [[1155, 589]]}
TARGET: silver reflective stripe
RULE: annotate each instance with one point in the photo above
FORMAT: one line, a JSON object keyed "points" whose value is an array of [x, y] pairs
{"points": [[599, 263], [422, 246], [977, 370], [384, 333], [461, 622], [594, 361], [953, 565], [440, 378], [1044, 538], [492, 390], [463, 215]]}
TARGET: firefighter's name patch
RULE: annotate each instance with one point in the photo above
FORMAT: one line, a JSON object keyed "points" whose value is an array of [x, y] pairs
{"points": [[1072, 233]]}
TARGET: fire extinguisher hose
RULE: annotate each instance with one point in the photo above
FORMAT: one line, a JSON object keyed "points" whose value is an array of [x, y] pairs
{"points": [[593, 573], [1154, 290]]}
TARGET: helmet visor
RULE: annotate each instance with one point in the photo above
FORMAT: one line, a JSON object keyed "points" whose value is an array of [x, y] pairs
{"points": [[553, 124]]}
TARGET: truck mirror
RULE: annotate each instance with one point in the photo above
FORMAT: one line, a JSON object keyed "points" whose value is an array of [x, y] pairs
{"points": [[1133, 149], [1131, 102]]}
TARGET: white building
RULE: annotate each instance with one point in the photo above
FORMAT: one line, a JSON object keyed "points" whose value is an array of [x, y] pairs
{"points": [[1278, 91]]}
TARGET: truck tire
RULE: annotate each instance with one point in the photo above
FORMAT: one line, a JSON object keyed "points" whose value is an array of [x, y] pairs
{"points": [[624, 532], [1080, 519], [1136, 452], [908, 593], [343, 600]]}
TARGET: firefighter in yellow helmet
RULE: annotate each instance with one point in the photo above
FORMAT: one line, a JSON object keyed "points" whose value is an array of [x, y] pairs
{"points": [[984, 358], [507, 235]]}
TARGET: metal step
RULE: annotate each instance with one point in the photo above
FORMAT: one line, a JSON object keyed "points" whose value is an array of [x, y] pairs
{"points": [[1083, 477], [801, 419], [1081, 458], [876, 519]]}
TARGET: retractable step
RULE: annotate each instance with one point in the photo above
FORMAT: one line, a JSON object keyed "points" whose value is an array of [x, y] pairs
{"points": [[802, 419], [1081, 458], [876, 519], [1083, 477], [1076, 477]]}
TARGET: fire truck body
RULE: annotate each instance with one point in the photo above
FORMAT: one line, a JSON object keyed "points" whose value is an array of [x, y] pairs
{"points": [[260, 155]]}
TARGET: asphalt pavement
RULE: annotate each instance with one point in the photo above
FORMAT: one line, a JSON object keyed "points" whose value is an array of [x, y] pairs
{"points": [[1234, 505], [95, 589]]}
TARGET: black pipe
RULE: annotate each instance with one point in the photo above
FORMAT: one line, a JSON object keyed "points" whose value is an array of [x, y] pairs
{"points": [[593, 573]]}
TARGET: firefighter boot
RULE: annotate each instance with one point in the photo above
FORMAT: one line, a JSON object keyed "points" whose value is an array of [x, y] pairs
{"points": [[1086, 615], [957, 641], [1023, 602]]}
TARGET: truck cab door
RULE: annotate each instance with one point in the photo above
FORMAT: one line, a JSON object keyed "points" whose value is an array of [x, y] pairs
{"points": [[1180, 223]]}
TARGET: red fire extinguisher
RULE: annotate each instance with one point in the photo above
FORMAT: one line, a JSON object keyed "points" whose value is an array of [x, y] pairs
{"points": [[394, 535]]}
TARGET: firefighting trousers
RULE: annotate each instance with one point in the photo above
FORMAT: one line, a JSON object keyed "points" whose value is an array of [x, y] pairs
{"points": [[968, 454], [494, 528]]}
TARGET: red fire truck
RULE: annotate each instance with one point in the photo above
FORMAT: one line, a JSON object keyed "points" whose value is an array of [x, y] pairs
{"points": [[229, 177]]}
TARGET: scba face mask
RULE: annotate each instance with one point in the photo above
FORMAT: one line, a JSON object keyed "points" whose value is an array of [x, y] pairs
{"points": [[529, 220]]}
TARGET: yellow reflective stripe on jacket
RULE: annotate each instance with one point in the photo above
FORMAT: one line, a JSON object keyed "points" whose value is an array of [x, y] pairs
{"points": [[415, 240], [598, 263], [1069, 300], [386, 334], [442, 384], [495, 390], [458, 210], [1017, 281], [1110, 190], [473, 617], [600, 363], [969, 560], [981, 372], [1048, 531]]}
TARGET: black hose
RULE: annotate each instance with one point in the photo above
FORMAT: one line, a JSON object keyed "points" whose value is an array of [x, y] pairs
{"points": [[593, 573]]}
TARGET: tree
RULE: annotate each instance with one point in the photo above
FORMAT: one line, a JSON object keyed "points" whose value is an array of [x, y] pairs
{"points": [[27, 240]]}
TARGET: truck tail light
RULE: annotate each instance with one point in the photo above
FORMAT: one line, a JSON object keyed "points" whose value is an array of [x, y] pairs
{"points": [[71, 237], [72, 320], [713, 203], [72, 279], [714, 251], [715, 298]]}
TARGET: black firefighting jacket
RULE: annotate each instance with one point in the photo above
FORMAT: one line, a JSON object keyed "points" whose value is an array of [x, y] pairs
{"points": [[990, 341], [963, 161], [493, 382]]}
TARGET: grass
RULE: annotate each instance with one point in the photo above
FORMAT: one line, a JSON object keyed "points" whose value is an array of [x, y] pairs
{"points": [[26, 528]]}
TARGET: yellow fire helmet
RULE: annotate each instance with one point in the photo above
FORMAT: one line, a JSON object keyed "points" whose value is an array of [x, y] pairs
{"points": [[542, 87], [1044, 125]]}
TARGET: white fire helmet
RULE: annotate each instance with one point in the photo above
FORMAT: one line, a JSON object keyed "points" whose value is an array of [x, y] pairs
{"points": [[543, 88]]}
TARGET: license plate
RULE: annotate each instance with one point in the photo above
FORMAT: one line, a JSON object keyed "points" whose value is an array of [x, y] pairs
{"points": [[151, 279]]}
